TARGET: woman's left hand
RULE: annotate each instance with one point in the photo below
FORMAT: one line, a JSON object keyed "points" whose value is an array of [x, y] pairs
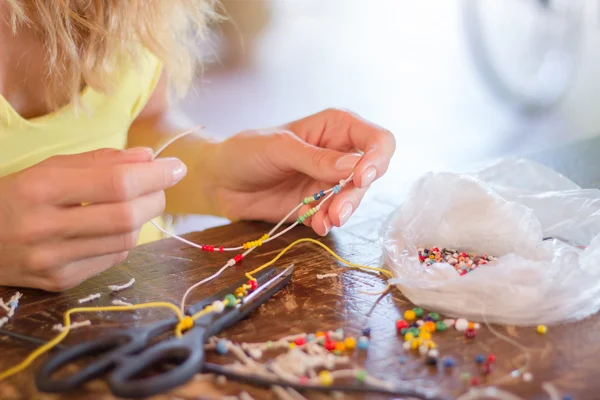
{"points": [[262, 175]]}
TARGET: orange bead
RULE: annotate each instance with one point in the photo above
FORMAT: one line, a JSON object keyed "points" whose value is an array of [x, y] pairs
{"points": [[471, 325], [429, 326], [340, 346], [320, 334]]}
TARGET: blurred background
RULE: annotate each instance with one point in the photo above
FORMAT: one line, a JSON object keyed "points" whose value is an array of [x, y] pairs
{"points": [[459, 82]]}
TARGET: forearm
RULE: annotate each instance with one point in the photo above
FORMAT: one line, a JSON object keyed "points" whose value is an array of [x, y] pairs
{"points": [[193, 194]]}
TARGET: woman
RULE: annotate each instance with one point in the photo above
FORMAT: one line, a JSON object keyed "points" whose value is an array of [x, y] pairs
{"points": [[83, 78]]}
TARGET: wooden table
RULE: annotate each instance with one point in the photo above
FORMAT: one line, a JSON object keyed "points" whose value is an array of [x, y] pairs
{"points": [[566, 356]]}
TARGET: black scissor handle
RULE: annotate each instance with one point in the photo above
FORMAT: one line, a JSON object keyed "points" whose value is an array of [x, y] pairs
{"points": [[109, 352], [187, 353]]}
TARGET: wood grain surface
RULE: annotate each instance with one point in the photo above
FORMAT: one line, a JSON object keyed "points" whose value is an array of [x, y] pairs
{"points": [[566, 355]]}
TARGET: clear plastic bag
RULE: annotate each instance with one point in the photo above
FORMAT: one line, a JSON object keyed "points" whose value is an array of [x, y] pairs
{"points": [[506, 210]]}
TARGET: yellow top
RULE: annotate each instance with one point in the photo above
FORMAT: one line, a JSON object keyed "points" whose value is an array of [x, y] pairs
{"points": [[103, 123]]}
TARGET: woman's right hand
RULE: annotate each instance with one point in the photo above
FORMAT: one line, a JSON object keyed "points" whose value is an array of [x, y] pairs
{"points": [[50, 240]]}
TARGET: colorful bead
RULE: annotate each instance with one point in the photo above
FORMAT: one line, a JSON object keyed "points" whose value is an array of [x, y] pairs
{"points": [[470, 334], [425, 335], [403, 360], [434, 316], [415, 343], [486, 369], [221, 249], [320, 333], [310, 337], [415, 331], [542, 329], [340, 346], [326, 378], [337, 352], [292, 345], [366, 332], [329, 345], [430, 326], [363, 343], [238, 258], [404, 331], [340, 333], [230, 300], [423, 349], [475, 381], [337, 189], [431, 344], [440, 326], [409, 336], [527, 377], [361, 376], [418, 311], [420, 322], [406, 345], [409, 315], [221, 347], [491, 358], [253, 284], [479, 359], [401, 324], [461, 324], [240, 292], [350, 343], [465, 376], [449, 362], [300, 341], [218, 306]]}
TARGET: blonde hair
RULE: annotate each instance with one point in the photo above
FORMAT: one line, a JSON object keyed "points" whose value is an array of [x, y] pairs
{"points": [[87, 40]]}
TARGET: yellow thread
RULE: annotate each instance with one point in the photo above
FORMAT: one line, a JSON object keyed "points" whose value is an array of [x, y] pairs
{"points": [[67, 327], [313, 241], [183, 325], [255, 243]]}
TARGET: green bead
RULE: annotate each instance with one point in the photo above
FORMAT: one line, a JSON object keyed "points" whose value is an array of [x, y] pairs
{"points": [[361, 376], [434, 316], [307, 200], [230, 300], [337, 352], [418, 312], [403, 331], [415, 331], [440, 326], [269, 344], [465, 376]]}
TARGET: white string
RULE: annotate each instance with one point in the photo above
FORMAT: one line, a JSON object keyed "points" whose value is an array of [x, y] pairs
{"points": [[89, 298], [116, 288], [74, 325], [118, 302]]}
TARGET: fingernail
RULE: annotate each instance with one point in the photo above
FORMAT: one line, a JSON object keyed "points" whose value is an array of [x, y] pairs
{"points": [[140, 151], [345, 212], [177, 168], [368, 176], [327, 224], [347, 162]]}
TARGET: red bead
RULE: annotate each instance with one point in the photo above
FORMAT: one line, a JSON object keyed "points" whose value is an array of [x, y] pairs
{"points": [[300, 341], [401, 324], [492, 358], [463, 254], [238, 258], [475, 381], [486, 369], [221, 249], [462, 272], [329, 345], [421, 258], [435, 249], [253, 284], [470, 333]]}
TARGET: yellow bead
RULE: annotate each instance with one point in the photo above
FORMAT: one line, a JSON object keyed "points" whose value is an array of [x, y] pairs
{"points": [[416, 343], [542, 329], [409, 336], [430, 343], [350, 343], [292, 345], [425, 335], [409, 315], [326, 378], [319, 334]]}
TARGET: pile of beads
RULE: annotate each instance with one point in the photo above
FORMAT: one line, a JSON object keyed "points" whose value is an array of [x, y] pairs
{"points": [[461, 261]]}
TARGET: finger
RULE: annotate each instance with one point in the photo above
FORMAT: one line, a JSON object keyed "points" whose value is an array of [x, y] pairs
{"points": [[101, 157], [290, 152], [110, 218], [344, 204], [110, 184], [74, 273], [321, 223]]}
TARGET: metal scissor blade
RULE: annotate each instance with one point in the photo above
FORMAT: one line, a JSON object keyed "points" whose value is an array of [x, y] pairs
{"points": [[283, 275]]}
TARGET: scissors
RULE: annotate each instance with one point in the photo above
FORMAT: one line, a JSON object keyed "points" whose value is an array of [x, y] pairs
{"points": [[129, 354]]}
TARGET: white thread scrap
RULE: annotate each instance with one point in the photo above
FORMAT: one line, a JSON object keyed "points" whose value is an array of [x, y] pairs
{"points": [[117, 288], [119, 302], [324, 276], [89, 298], [74, 325], [3, 320]]}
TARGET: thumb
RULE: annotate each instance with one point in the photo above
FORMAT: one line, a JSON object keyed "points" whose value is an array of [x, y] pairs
{"points": [[316, 162]]}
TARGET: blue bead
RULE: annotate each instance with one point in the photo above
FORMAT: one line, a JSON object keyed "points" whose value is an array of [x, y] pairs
{"points": [[337, 189], [479, 359], [403, 359], [567, 397], [322, 193], [363, 343], [316, 196], [310, 337], [427, 319], [449, 362], [222, 347], [366, 332]]}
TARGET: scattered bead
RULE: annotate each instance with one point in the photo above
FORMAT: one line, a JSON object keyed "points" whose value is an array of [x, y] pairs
{"points": [[329, 345], [527, 377], [366, 332], [486, 369], [418, 311], [326, 378], [340, 346], [406, 345], [431, 344], [423, 349], [440, 326], [465, 376], [320, 333], [292, 345], [404, 331], [425, 335], [218, 306], [491, 358], [310, 337], [363, 343], [401, 324], [542, 329], [470, 334], [337, 352], [516, 373], [434, 316], [460, 261], [477, 326], [461, 324], [475, 381], [300, 341], [479, 359], [409, 336], [340, 333], [471, 325], [361, 376], [350, 343], [567, 397], [420, 322], [409, 315], [403, 360], [430, 326], [415, 343], [449, 362], [222, 347]]}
